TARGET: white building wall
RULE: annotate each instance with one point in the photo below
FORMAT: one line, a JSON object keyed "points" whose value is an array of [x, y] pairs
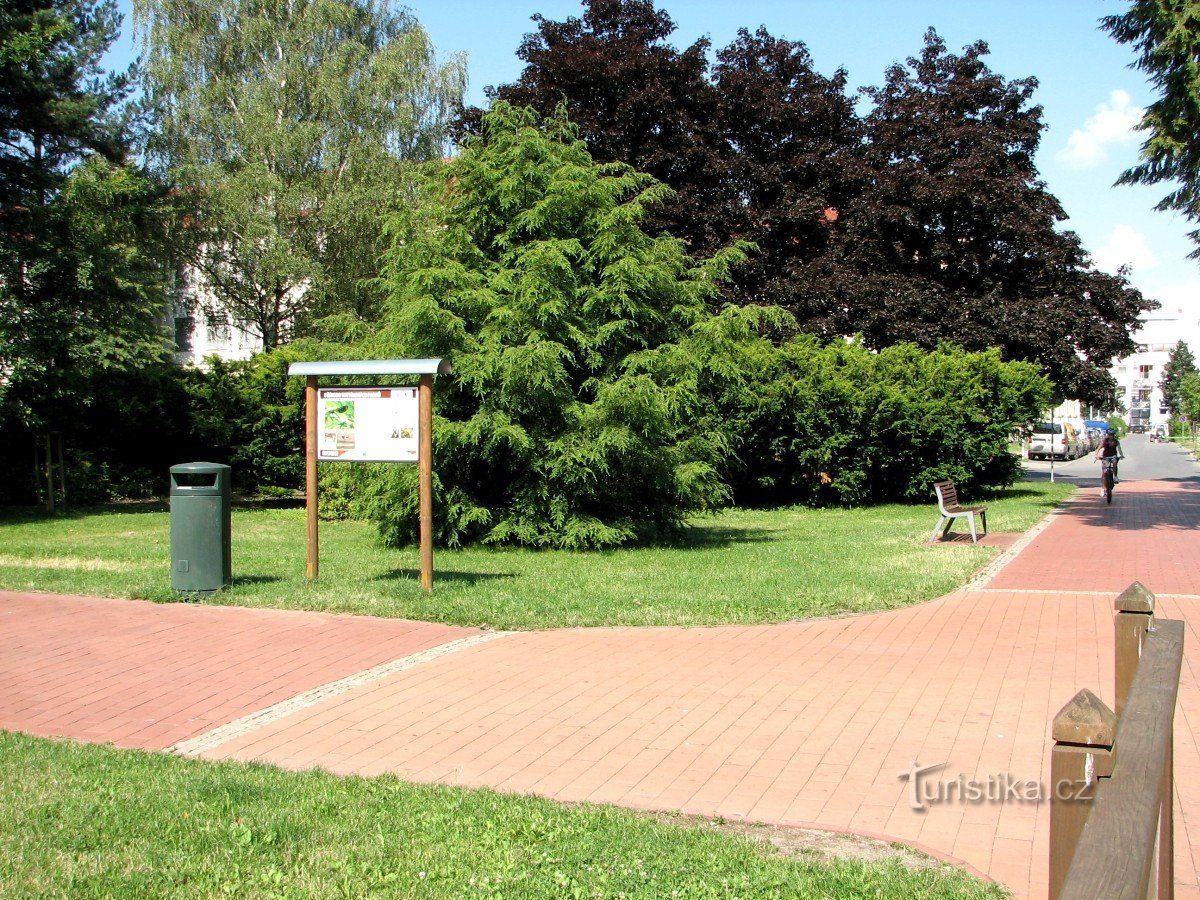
{"points": [[202, 329], [1138, 375]]}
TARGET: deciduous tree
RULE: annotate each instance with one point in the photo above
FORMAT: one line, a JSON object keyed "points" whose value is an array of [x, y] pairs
{"points": [[285, 124], [954, 237], [792, 164], [924, 221]]}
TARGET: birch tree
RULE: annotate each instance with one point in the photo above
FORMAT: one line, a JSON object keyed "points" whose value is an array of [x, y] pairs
{"points": [[287, 124]]}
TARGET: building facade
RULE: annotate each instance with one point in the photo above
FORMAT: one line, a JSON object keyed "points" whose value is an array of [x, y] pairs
{"points": [[1139, 374], [202, 328]]}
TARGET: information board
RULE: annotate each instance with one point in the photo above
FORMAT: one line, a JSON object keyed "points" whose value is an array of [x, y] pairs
{"points": [[368, 424]]}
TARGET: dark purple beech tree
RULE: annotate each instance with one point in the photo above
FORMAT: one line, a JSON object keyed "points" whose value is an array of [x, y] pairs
{"points": [[922, 220], [792, 144], [954, 237], [635, 99]]}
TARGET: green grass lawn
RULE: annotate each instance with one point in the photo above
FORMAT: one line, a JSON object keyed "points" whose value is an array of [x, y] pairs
{"points": [[739, 566], [79, 821]]}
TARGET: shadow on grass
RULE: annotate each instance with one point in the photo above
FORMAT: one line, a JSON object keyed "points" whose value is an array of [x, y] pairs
{"points": [[23, 515], [243, 580], [1011, 493], [707, 537], [468, 578]]}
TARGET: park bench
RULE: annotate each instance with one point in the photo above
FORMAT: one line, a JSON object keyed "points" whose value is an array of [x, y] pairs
{"points": [[947, 495]]}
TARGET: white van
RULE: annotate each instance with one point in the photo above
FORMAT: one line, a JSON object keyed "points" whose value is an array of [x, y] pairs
{"points": [[1057, 440]]}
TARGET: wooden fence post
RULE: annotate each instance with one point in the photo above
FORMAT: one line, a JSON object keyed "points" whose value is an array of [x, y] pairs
{"points": [[425, 479], [1084, 731], [1166, 822], [1135, 614]]}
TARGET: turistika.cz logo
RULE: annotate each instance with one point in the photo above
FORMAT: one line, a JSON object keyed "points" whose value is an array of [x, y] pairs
{"points": [[925, 791]]}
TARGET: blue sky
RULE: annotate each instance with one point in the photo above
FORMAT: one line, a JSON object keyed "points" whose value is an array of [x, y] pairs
{"points": [[1090, 96]]}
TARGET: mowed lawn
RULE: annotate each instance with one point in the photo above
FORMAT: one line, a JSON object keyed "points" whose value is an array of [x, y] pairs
{"points": [[79, 822], [739, 566]]}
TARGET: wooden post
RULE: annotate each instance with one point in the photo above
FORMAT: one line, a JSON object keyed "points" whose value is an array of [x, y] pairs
{"points": [[37, 472], [1135, 614], [310, 476], [1084, 731], [1133, 620], [1166, 823], [425, 477]]}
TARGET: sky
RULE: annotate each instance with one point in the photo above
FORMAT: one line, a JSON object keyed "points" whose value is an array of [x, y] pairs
{"points": [[1091, 98]]}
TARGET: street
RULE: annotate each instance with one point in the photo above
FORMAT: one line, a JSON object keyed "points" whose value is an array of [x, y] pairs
{"points": [[1144, 461]]}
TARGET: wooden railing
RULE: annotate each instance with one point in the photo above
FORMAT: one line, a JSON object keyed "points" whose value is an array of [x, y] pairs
{"points": [[1112, 774]]}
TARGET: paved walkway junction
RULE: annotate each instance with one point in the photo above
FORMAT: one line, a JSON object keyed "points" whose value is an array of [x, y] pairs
{"points": [[809, 723]]}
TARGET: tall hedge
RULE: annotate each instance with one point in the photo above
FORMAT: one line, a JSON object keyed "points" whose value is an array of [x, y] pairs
{"points": [[843, 425]]}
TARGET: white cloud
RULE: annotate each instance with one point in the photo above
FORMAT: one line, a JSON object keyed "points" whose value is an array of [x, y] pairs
{"points": [[1113, 123], [1125, 247], [1180, 298], [1180, 309]]}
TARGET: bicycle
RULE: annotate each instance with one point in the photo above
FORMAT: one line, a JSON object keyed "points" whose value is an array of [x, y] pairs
{"points": [[1108, 476]]}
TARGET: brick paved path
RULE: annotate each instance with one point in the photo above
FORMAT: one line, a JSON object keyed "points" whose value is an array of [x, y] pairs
{"points": [[149, 675], [808, 723]]}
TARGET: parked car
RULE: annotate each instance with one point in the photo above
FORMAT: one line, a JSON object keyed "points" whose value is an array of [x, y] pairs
{"points": [[1058, 440]]}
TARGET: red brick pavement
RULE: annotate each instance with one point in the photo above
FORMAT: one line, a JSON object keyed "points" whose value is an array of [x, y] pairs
{"points": [[1147, 534], [147, 675], [808, 723]]}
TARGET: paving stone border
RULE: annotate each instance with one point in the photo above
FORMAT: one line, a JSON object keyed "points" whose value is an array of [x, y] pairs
{"points": [[252, 722]]}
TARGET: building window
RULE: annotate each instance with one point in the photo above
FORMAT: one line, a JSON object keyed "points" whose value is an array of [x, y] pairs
{"points": [[218, 329], [184, 327], [1144, 371]]}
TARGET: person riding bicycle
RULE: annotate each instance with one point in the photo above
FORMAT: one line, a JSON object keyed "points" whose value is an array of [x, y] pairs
{"points": [[1111, 447]]}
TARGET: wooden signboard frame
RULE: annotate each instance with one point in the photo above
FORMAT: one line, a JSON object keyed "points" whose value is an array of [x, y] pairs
{"points": [[426, 369]]}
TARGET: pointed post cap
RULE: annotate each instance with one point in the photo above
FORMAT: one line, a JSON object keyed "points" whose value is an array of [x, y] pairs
{"points": [[1087, 721], [1135, 599]]}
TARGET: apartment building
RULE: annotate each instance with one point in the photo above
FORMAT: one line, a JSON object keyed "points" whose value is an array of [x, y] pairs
{"points": [[1139, 374], [202, 328]]}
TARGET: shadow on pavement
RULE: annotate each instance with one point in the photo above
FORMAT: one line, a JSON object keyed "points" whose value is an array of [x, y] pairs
{"points": [[1140, 509]]}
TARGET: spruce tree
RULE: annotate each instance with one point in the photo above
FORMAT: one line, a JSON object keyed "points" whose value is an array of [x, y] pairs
{"points": [[1180, 364], [526, 262]]}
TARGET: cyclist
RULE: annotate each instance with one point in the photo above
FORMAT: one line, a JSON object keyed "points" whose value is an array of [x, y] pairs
{"points": [[1111, 447]]}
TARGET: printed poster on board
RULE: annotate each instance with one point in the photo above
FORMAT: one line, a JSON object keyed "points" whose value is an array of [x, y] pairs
{"points": [[370, 424]]}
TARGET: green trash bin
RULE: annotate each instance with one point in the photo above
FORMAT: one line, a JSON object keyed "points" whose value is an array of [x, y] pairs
{"points": [[200, 528]]}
